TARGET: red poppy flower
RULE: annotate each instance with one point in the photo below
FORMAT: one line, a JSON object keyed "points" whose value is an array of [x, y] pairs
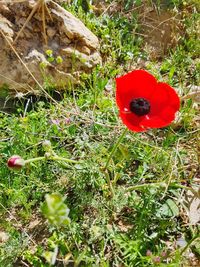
{"points": [[145, 103]]}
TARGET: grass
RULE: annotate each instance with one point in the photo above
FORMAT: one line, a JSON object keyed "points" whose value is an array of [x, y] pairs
{"points": [[133, 213]]}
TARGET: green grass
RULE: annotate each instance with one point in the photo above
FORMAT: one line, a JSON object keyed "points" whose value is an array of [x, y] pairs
{"points": [[116, 215]]}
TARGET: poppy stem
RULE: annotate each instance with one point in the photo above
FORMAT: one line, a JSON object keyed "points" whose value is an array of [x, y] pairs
{"points": [[55, 158], [161, 185], [34, 159], [109, 182], [115, 147]]}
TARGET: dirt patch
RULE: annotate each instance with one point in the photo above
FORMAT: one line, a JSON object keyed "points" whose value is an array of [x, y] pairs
{"points": [[161, 28], [162, 31]]}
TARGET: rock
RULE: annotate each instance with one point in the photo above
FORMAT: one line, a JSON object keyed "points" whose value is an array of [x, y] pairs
{"points": [[74, 28], [6, 27], [71, 48]]}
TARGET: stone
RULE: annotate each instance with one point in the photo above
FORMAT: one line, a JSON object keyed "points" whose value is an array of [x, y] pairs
{"points": [[6, 27], [71, 48]]}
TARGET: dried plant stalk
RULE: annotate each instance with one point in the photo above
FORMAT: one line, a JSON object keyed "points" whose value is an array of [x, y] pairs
{"points": [[40, 5]]}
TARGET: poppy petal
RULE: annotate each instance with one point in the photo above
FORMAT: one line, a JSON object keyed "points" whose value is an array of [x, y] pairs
{"points": [[164, 96], [132, 121], [135, 84], [158, 121], [174, 100], [159, 99]]}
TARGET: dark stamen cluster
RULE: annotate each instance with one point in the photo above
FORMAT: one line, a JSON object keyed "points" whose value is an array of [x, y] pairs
{"points": [[140, 106]]}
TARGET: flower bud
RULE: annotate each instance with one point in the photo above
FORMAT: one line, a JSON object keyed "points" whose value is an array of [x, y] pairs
{"points": [[48, 155], [157, 260], [148, 253], [47, 146], [15, 162]]}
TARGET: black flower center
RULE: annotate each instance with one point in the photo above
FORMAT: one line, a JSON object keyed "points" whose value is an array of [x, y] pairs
{"points": [[140, 106]]}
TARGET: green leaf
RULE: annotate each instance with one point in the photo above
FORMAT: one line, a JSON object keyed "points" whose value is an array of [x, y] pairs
{"points": [[55, 210], [171, 72], [169, 209], [50, 256]]}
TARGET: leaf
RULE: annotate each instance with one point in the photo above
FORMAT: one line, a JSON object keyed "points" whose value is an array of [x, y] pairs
{"points": [[50, 256], [169, 209], [55, 210], [171, 72], [124, 150]]}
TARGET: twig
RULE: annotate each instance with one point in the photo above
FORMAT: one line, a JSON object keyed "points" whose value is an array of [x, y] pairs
{"points": [[190, 95]]}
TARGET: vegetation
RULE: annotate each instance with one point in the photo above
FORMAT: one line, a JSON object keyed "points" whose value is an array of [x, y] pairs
{"points": [[135, 211]]}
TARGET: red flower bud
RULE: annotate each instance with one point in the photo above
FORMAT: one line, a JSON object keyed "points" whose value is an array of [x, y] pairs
{"points": [[15, 162]]}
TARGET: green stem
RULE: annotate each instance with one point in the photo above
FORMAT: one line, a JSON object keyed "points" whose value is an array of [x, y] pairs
{"points": [[141, 186], [34, 159], [64, 159], [50, 158], [161, 184], [115, 147], [109, 182], [184, 187], [189, 243]]}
